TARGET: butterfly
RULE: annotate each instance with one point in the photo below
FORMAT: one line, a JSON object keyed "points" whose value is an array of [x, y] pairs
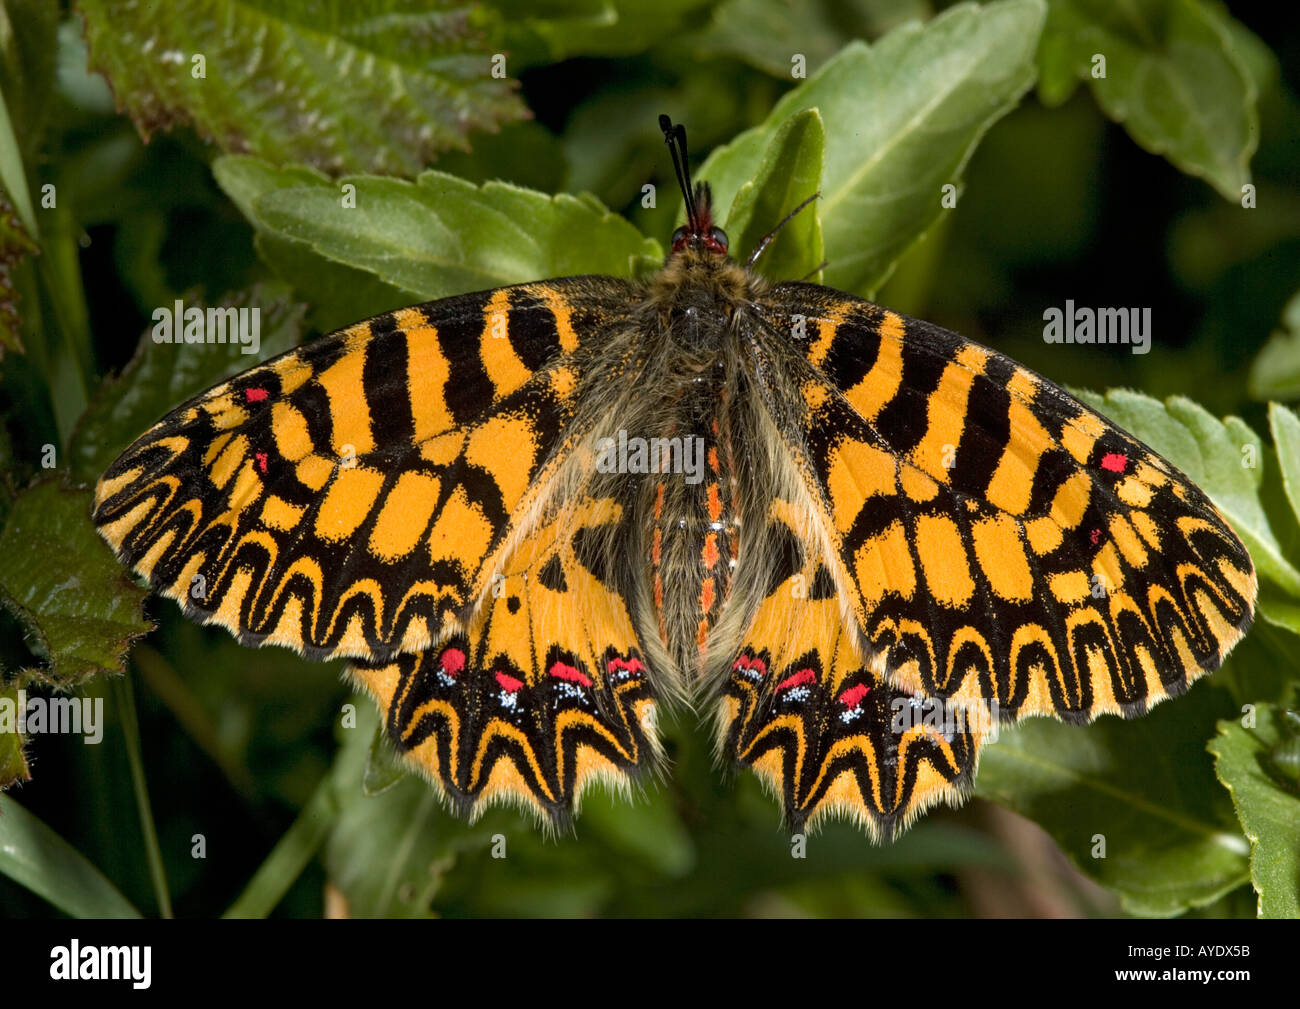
{"points": [[530, 516]]}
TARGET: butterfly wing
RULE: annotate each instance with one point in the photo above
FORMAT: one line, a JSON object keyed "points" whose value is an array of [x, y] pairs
{"points": [[545, 691], [803, 706], [995, 540], [351, 497]]}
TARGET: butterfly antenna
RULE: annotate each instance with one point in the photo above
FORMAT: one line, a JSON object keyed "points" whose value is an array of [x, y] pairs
{"points": [[766, 240], [675, 138]]}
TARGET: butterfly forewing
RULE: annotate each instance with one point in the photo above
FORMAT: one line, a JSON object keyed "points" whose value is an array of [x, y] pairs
{"points": [[348, 497], [996, 540]]}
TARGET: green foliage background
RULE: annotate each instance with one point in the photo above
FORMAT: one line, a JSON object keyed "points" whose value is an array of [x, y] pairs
{"points": [[204, 152]]}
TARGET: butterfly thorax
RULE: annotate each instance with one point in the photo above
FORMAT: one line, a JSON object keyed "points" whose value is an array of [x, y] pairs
{"points": [[697, 293]]}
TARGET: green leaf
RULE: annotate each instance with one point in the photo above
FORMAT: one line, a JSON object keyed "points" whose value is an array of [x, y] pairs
{"points": [[1226, 459], [15, 245], [1269, 812], [38, 858], [338, 294], [1286, 436], [549, 31], [902, 117], [376, 87], [440, 235], [13, 755], [161, 376], [78, 609], [767, 34], [1275, 372], [28, 31], [1174, 76], [1171, 841], [790, 172]]}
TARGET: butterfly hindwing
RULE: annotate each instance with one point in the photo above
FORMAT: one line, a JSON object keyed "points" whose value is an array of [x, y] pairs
{"points": [[815, 719], [346, 498], [546, 690], [996, 539]]}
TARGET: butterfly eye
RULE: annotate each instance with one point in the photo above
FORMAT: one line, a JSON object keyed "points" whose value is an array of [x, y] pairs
{"points": [[679, 236], [719, 237]]}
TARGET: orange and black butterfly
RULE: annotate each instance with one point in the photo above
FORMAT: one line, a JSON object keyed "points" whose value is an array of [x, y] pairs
{"points": [[531, 515]]}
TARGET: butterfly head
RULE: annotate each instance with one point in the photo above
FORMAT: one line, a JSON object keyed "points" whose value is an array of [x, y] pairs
{"points": [[699, 234]]}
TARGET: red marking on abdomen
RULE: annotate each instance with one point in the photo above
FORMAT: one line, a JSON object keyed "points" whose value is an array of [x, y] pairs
{"points": [[853, 696], [715, 503], [798, 679], [562, 672], [508, 682], [1114, 461], [452, 661], [709, 555], [706, 595], [255, 395]]}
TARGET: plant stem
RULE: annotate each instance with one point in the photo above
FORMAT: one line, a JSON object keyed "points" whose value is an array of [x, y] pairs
{"points": [[290, 856], [153, 851]]}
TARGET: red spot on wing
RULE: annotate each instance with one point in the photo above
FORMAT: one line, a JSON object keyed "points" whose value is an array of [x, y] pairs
{"points": [[1116, 462], [746, 662], [798, 679], [261, 460], [255, 395], [508, 682], [562, 672], [632, 665], [852, 697], [1094, 537], [452, 661]]}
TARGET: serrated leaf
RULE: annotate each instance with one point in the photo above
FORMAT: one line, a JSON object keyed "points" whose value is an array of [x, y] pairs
{"points": [[441, 235], [78, 609], [161, 376], [1269, 813], [38, 858], [1171, 841], [379, 87], [1275, 372], [1173, 77], [902, 117], [13, 755], [1226, 459], [789, 173]]}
